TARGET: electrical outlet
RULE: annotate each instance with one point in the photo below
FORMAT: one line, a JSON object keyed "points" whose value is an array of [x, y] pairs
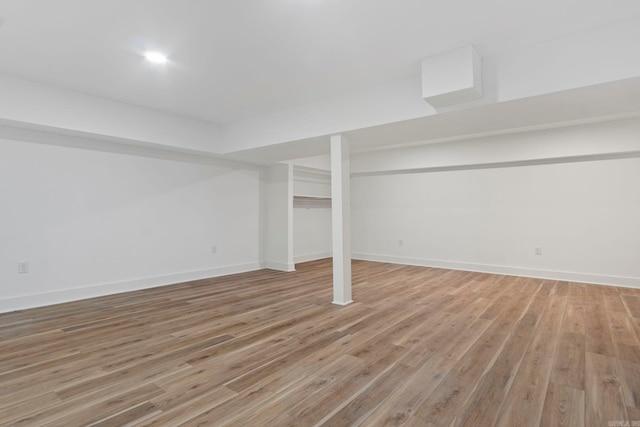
{"points": [[23, 267], [538, 250], [214, 249]]}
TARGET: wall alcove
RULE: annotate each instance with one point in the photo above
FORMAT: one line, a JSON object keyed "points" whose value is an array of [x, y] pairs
{"points": [[311, 214]]}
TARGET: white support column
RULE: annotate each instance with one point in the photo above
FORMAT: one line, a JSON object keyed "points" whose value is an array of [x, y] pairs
{"points": [[341, 220]]}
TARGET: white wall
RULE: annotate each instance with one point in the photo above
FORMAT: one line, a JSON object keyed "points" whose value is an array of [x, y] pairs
{"points": [[570, 143], [279, 217], [585, 216], [311, 218], [311, 183], [91, 223], [311, 232]]}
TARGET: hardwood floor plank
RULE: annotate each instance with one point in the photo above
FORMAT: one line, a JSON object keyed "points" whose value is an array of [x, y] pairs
{"points": [[604, 400], [400, 406], [419, 347], [129, 416], [576, 293], [461, 341], [627, 352], [613, 301], [574, 318], [319, 406], [72, 413], [629, 377], [632, 302], [442, 406], [295, 383], [622, 330], [563, 406], [178, 409], [272, 368], [561, 289], [483, 407], [569, 366], [599, 339], [369, 397], [498, 305], [548, 334], [16, 411], [524, 403], [634, 415], [203, 385], [147, 371]]}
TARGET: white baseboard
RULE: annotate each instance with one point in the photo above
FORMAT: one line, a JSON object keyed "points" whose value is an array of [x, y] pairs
{"points": [[67, 295], [627, 282], [280, 266], [312, 257]]}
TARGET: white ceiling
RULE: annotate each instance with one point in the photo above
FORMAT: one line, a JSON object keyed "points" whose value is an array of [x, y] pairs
{"points": [[606, 101], [231, 60]]}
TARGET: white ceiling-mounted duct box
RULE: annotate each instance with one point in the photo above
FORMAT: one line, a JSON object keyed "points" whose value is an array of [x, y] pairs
{"points": [[452, 77]]}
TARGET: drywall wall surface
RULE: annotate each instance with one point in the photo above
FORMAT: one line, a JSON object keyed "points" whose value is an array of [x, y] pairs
{"points": [[311, 188], [311, 214], [579, 142], [311, 232], [92, 223], [321, 162], [592, 140], [311, 182], [278, 245], [584, 218]]}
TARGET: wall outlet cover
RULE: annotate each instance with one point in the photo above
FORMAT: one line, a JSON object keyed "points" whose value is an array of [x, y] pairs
{"points": [[23, 267]]}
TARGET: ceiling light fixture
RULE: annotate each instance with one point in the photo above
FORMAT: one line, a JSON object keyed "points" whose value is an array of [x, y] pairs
{"points": [[156, 57]]}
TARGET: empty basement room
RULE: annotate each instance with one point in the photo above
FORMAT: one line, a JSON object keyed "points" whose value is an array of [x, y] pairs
{"points": [[320, 213]]}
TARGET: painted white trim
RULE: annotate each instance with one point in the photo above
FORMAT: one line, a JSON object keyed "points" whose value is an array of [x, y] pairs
{"points": [[280, 266], [342, 303], [628, 282], [312, 257], [67, 295]]}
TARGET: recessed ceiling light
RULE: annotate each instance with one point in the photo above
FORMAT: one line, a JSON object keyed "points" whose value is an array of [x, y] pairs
{"points": [[155, 57]]}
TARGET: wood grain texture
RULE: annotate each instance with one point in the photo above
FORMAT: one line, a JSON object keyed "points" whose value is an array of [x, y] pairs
{"points": [[524, 402], [568, 367], [419, 347], [604, 398], [563, 406]]}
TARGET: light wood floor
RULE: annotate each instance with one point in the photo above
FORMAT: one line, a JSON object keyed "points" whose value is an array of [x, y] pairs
{"points": [[420, 347]]}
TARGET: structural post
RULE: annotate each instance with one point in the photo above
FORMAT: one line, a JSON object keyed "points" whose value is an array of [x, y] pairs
{"points": [[341, 220]]}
